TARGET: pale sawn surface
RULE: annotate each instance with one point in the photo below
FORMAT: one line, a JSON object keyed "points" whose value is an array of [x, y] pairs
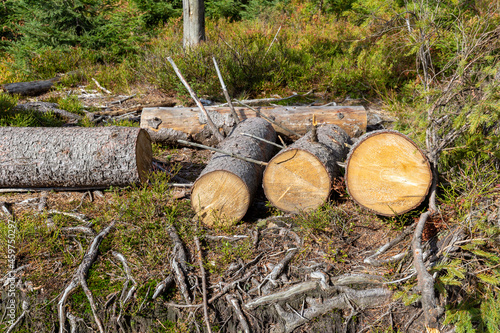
{"points": [[387, 173]]}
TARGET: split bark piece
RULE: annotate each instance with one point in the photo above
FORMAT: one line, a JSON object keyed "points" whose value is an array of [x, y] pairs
{"points": [[387, 173], [163, 123], [227, 185], [73, 157], [300, 177]]}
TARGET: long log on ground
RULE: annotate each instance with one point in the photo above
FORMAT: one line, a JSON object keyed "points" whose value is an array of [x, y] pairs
{"points": [[300, 177], [31, 88], [73, 157], [387, 173], [225, 188], [167, 125]]}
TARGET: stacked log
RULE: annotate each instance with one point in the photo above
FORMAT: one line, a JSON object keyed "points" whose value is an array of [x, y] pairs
{"points": [[387, 173], [73, 157], [167, 125], [224, 190], [300, 177]]}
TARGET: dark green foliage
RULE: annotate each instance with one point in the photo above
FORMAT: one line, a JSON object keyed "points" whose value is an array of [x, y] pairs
{"points": [[157, 12], [88, 24], [7, 30]]}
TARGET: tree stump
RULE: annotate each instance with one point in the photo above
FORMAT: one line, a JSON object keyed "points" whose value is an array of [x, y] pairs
{"points": [[38, 157], [224, 190], [387, 173], [300, 177]]}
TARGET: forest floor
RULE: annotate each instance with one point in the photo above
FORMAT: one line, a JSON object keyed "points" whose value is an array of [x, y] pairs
{"points": [[271, 272]]}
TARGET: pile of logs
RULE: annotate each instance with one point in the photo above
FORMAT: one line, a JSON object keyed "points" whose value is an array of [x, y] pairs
{"points": [[385, 172]]}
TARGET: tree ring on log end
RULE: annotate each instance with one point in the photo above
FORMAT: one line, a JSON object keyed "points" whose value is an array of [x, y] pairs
{"points": [[218, 195], [387, 173], [296, 180], [144, 154]]}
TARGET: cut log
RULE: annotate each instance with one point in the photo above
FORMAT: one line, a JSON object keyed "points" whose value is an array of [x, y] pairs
{"points": [[227, 185], [353, 119], [387, 173], [300, 177], [38, 157]]}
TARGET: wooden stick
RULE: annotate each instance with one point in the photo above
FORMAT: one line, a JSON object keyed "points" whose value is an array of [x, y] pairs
{"points": [[210, 123], [260, 114], [226, 94], [263, 140], [251, 160], [274, 39], [100, 87], [203, 281]]}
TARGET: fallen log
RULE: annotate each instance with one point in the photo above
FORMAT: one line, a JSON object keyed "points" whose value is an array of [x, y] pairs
{"points": [[32, 88], [73, 157], [226, 186], [162, 123], [387, 173], [300, 177]]}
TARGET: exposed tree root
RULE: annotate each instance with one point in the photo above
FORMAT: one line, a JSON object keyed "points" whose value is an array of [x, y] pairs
{"points": [[432, 311], [125, 295], [25, 307], [241, 317], [178, 264], [79, 278], [162, 286], [348, 299]]}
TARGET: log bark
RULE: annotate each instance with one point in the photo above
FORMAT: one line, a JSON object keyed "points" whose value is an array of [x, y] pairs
{"points": [[225, 188], [387, 173], [194, 22], [73, 157], [299, 178], [352, 119], [32, 88]]}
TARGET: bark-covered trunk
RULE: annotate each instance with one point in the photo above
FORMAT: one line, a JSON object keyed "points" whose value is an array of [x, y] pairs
{"points": [[300, 177], [166, 125], [227, 185], [194, 22], [387, 173], [38, 157]]}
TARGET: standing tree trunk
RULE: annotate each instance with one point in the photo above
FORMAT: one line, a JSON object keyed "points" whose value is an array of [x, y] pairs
{"points": [[74, 157], [387, 173], [227, 185], [194, 22], [299, 178]]}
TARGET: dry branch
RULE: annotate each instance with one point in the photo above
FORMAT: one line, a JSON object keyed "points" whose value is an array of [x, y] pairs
{"points": [[226, 94], [203, 282], [79, 279], [213, 128], [46, 107]]}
